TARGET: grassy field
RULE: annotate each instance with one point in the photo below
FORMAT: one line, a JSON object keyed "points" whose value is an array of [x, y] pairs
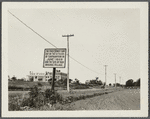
{"points": [[85, 92], [26, 85], [15, 97], [65, 94], [78, 94]]}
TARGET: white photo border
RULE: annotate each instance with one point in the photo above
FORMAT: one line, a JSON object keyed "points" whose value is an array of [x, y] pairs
{"points": [[143, 6]]}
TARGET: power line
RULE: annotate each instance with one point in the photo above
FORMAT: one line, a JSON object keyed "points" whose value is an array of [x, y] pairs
{"points": [[32, 29], [83, 65], [50, 42]]}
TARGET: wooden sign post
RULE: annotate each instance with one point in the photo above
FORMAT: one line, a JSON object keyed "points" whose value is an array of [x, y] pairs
{"points": [[53, 79], [54, 58]]}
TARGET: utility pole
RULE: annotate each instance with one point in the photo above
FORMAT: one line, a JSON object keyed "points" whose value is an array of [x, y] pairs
{"points": [[115, 79], [105, 74], [120, 80], [68, 58]]}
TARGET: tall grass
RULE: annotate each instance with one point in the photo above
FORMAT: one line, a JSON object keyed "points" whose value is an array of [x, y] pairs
{"points": [[37, 99]]}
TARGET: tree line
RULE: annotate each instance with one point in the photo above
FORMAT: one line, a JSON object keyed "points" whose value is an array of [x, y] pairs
{"points": [[95, 81], [130, 82]]}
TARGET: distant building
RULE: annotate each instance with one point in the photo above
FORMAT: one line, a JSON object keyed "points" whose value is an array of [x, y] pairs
{"points": [[44, 77]]}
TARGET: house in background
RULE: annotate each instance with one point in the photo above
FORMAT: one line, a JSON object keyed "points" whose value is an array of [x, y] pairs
{"points": [[44, 77]]}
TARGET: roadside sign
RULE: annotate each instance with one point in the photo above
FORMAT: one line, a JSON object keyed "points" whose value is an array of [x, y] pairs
{"points": [[54, 58]]}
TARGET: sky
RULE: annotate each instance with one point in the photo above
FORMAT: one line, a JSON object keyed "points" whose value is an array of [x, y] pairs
{"points": [[101, 37]]}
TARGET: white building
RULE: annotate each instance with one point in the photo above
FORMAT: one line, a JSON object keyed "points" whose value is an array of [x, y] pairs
{"points": [[44, 77]]}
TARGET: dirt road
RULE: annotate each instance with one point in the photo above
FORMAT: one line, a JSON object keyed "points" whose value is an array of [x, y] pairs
{"points": [[128, 99]]}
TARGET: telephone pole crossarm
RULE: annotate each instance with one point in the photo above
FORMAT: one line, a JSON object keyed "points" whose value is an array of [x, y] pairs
{"points": [[68, 35]]}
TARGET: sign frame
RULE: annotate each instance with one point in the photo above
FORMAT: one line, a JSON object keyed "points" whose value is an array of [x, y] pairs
{"points": [[55, 49]]}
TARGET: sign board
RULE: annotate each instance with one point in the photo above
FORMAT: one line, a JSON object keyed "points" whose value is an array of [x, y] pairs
{"points": [[54, 58]]}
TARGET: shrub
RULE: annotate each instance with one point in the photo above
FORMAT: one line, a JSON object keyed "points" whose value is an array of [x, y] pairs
{"points": [[15, 88], [37, 98], [14, 103], [52, 96], [103, 86], [12, 88], [39, 84], [13, 106], [26, 102], [80, 87], [34, 92]]}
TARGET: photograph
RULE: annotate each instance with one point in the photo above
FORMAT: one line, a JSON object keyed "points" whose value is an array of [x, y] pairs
{"points": [[75, 59]]}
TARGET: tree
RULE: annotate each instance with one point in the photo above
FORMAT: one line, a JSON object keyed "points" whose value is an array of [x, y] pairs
{"points": [[70, 80], [114, 85], [21, 79], [31, 78], [117, 84], [50, 80], [65, 81], [60, 81], [77, 81], [93, 81], [134, 83], [99, 82], [110, 84], [96, 78], [14, 78], [129, 82], [137, 83]]}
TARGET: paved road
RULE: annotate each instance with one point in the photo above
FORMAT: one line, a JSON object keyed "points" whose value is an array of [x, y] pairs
{"points": [[128, 99]]}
